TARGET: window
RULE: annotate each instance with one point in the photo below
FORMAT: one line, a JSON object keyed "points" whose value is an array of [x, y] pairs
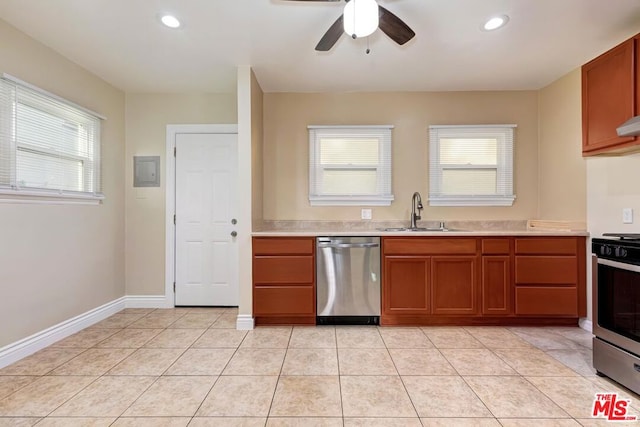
{"points": [[350, 165], [471, 165], [49, 147]]}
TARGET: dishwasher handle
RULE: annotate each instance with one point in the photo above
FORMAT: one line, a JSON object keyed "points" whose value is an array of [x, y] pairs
{"points": [[348, 245]]}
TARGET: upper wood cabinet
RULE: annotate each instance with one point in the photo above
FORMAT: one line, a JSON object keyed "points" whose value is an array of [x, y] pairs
{"points": [[610, 96]]}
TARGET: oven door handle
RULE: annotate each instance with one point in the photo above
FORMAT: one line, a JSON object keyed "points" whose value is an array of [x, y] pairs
{"points": [[620, 265]]}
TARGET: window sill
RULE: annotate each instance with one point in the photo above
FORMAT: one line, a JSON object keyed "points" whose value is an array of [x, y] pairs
{"points": [[471, 201], [49, 197], [351, 201]]}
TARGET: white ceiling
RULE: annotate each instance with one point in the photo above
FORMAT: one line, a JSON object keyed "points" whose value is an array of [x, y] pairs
{"points": [[123, 42]]}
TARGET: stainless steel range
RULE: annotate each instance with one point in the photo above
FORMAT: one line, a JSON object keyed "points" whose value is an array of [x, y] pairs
{"points": [[616, 308]]}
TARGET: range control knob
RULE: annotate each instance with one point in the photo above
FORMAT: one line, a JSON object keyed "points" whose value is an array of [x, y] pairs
{"points": [[621, 252], [605, 250]]}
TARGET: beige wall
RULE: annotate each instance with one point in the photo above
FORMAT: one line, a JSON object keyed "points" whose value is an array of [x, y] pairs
{"points": [[612, 184], [147, 117], [59, 261], [257, 130], [286, 116], [562, 169]]}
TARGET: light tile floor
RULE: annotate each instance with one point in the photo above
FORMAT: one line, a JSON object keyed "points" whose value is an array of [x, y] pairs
{"points": [[189, 366]]}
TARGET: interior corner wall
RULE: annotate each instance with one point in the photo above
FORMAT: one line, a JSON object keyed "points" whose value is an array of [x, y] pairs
{"points": [[562, 174], [147, 117], [58, 261], [257, 131]]}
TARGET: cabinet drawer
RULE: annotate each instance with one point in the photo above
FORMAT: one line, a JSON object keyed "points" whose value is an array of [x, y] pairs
{"points": [[495, 246], [556, 270], [561, 301], [550, 246], [284, 300], [283, 245], [428, 246], [283, 269]]}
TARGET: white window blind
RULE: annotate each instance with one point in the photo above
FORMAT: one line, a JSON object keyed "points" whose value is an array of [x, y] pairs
{"points": [[49, 147], [350, 165], [471, 165]]}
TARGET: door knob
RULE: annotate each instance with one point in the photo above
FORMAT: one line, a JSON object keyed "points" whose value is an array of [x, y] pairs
{"points": [[234, 233]]}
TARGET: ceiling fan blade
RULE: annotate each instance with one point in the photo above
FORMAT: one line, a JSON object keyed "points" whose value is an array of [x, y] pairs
{"points": [[394, 27], [331, 36]]}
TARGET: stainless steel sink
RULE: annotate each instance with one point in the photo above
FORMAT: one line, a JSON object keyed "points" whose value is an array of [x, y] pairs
{"points": [[426, 229], [418, 229]]}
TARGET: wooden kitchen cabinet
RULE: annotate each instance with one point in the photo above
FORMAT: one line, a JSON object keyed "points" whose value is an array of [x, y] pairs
{"points": [[453, 289], [496, 276], [427, 278], [610, 96], [550, 276], [284, 280], [408, 285], [483, 280]]}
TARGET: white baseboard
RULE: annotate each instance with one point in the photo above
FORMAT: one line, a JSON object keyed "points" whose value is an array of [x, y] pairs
{"points": [[146, 301], [244, 322], [586, 324], [29, 345]]}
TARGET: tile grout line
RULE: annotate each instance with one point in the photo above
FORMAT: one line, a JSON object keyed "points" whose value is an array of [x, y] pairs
{"points": [[335, 341], [235, 351], [275, 389], [94, 346], [404, 386]]}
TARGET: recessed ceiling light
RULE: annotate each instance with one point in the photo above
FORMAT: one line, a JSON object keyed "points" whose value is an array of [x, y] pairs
{"points": [[495, 23], [170, 21]]}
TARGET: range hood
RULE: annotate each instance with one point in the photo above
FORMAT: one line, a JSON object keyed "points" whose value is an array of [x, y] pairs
{"points": [[630, 128]]}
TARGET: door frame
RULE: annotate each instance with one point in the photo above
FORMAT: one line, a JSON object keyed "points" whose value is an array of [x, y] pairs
{"points": [[170, 196]]}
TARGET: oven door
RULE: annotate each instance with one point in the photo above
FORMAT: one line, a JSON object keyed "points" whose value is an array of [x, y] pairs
{"points": [[616, 304]]}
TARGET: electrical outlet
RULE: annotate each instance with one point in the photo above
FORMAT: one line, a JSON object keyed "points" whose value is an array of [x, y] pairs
{"points": [[627, 216], [365, 214]]}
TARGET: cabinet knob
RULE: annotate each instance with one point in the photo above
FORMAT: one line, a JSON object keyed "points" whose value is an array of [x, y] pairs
{"points": [[234, 233], [234, 221]]}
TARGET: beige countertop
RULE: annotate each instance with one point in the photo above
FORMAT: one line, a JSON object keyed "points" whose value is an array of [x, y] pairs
{"points": [[458, 229]]}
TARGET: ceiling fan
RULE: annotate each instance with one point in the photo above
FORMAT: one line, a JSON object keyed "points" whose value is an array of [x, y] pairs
{"points": [[361, 18]]}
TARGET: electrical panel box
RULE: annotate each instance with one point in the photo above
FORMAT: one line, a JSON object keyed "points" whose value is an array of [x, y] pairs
{"points": [[146, 171]]}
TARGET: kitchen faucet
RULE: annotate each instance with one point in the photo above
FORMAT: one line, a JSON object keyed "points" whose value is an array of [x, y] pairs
{"points": [[416, 203]]}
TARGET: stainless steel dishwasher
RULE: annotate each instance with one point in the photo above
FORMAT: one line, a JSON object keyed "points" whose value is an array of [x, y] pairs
{"points": [[348, 280]]}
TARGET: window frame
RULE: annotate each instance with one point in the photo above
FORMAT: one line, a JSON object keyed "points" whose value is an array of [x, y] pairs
{"points": [[384, 194], [10, 146], [504, 196]]}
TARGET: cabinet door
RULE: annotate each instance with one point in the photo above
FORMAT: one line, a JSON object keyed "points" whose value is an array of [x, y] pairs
{"points": [[284, 301], [406, 285], [453, 284], [546, 270], [278, 270], [546, 301], [496, 285], [608, 98]]}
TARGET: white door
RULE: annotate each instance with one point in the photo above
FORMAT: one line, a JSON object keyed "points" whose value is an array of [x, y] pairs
{"points": [[206, 264]]}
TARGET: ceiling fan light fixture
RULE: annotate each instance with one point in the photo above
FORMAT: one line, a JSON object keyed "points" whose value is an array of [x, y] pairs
{"points": [[360, 17], [495, 22]]}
